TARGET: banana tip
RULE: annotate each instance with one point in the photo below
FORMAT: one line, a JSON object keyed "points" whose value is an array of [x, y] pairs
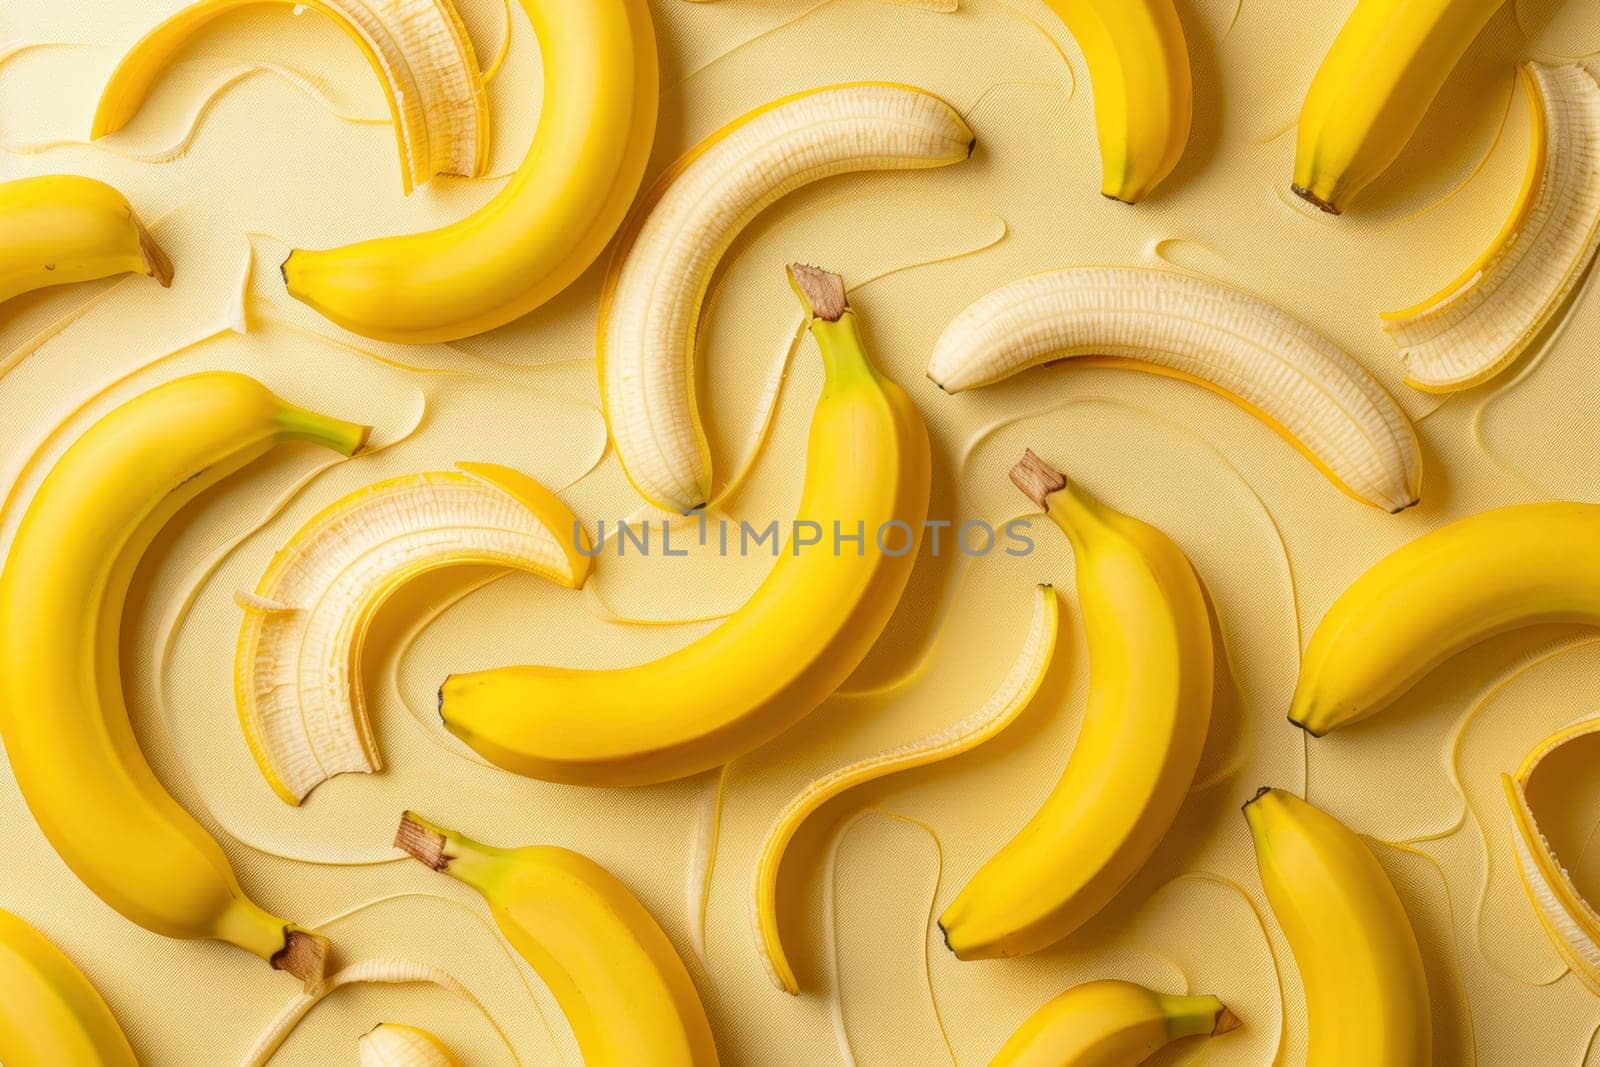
{"points": [[1307, 729], [1263, 791], [972, 146], [1326, 206], [1406, 507], [1226, 1021]]}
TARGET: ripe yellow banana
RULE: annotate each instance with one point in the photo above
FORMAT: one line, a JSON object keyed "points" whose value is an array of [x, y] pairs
{"points": [[1277, 368], [418, 48], [1477, 325], [1366, 992], [1110, 1024], [1493, 572], [1149, 636], [62, 716], [803, 631], [1373, 88], [650, 311], [296, 673], [50, 1014], [1016, 690], [550, 222], [1143, 93], [62, 228], [394, 1045], [621, 984]]}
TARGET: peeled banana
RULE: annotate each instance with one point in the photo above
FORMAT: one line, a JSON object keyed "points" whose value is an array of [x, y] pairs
{"points": [[50, 1014], [1314, 395], [1480, 323], [551, 221], [1110, 1024], [650, 310], [418, 48], [394, 1045], [1441, 594], [1374, 87], [296, 673], [1151, 656], [62, 716], [621, 984], [61, 228], [1138, 63], [1365, 988], [801, 634]]}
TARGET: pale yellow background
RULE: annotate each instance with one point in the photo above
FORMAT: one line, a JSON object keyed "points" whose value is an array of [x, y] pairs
{"points": [[289, 145]]}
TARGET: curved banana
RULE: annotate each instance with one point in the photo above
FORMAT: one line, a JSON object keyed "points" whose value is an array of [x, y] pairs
{"points": [[394, 1045], [549, 223], [1480, 323], [1138, 63], [650, 311], [1373, 88], [50, 1014], [1149, 635], [801, 634], [62, 716], [1485, 575], [418, 48], [61, 228], [296, 673], [1365, 988], [1299, 383], [1110, 1024], [619, 981], [1016, 691]]}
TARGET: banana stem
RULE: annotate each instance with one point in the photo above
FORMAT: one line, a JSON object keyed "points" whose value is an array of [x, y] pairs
{"points": [[299, 424], [833, 324], [448, 852], [1067, 505]]}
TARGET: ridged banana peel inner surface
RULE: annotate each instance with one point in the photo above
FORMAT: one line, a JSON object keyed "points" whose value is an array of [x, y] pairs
{"points": [[419, 48], [297, 673]]}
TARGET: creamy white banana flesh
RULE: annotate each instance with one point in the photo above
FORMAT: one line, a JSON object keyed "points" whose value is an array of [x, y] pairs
{"points": [[1478, 326], [658, 280], [1301, 384], [296, 672]]}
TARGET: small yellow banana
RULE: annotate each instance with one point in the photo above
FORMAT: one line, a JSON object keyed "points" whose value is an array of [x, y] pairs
{"points": [[394, 1045], [61, 228], [1016, 690], [551, 221], [296, 673], [804, 630], [50, 1014], [62, 715], [1110, 1024], [1374, 86], [621, 984], [650, 310], [1441, 594], [419, 49], [1277, 368], [1149, 636], [1476, 326], [1365, 988], [1138, 63]]}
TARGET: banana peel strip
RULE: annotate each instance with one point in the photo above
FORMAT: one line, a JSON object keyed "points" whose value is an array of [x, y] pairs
{"points": [[418, 48], [297, 668], [1015, 692]]}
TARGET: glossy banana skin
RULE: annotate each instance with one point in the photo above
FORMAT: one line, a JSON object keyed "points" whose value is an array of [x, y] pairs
{"points": [[61, 228], [1110, 1024], [50, 1014]]}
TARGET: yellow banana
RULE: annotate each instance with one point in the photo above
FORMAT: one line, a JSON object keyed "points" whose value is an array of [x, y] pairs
{"points": [[50, 1014], [394, 1045], [1138, 63], [1493, 572], [550, 222], [1373, 88], [1365, 988], [62, 228], [650, 310], [62, 715], [1149, 636], [418, 48], [621, 984], [803, 631], [1110, 1024], [296, 672]]}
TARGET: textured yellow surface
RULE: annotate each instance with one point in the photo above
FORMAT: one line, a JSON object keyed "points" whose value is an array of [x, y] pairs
{"points": [[271, 132]]}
